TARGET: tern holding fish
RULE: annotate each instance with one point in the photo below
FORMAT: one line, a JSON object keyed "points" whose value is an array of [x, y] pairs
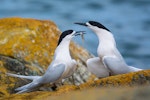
{"points": [[62, 66]]}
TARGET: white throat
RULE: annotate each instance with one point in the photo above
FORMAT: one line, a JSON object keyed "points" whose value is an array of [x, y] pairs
{"points": [[62, 51], [106, 42]]}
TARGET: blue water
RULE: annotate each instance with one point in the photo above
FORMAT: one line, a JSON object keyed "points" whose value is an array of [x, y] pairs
{"points": [[129, 21]]}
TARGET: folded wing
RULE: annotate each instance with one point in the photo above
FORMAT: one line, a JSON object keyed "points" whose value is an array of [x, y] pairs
{"points": [[54, 74], [96, 67]]}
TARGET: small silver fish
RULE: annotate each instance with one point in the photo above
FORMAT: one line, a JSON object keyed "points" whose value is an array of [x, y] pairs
{"points": [[81, 33], [82, 36]]}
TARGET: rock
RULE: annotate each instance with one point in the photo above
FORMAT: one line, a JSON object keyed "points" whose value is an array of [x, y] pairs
{"points": [[128, 93], [130, 86], [130, 79], [26, 48]]}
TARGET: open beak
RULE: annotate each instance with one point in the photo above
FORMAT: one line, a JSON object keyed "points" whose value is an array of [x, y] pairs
{"points": [[83, 24], [79, 33]]}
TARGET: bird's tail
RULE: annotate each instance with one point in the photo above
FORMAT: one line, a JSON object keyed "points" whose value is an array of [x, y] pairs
{"points": [[23, 76], [134, 69], [28, 87]]}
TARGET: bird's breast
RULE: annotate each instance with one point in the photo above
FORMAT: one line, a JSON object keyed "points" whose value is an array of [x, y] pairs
{"points": [[69, 69], [105, 50]]}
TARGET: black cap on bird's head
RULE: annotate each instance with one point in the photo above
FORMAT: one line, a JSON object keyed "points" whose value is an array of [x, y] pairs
{"points": [[70, 34], [93, 23]]}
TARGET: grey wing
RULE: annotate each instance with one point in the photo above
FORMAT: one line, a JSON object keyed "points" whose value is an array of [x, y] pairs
{"points": [[52, 75], [134, 69], [96, 67], [116, 65]]}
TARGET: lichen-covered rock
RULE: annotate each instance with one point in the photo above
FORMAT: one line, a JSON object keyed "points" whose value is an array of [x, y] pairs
{"points": [[128, 93], [140, 78], [130, 86], [28, 41], [27, 47]]}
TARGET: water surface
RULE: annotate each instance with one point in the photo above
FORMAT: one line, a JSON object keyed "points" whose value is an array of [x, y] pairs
{"points": [[129, 21]]}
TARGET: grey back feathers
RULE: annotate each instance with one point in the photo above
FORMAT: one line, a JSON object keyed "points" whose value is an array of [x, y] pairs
{"points": [[93, 23], [63, 35]]}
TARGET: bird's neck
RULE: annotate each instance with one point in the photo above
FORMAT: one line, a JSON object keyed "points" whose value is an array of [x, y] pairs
{"points": [[106, 42], [62, 51], [105, 36]]}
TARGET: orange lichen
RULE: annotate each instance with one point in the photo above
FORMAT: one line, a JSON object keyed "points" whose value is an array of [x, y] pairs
{"points": [[130, 79], [42, 94], [6, 83], [66, 88], [28, 39], [113, 81]]}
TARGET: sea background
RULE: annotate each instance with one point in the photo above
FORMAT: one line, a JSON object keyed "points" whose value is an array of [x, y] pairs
{"points": [[128, 20]]}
